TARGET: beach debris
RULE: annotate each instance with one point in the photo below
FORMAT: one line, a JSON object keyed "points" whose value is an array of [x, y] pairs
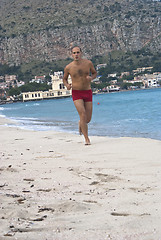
{"points": [[120, 214], [12, 195], [9, 234], [94, 183], [21, 200], [28, 179], [45, 178], [77, 192], [21, 230], [71, 169], [11, 226], [89, 201], [145, 214], [44, 190], [39, 219], [85, 176], [25, 191], [3, 185], [46, 209]]}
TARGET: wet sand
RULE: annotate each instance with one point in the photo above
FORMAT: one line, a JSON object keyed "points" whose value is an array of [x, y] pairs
{"points": [[54, 187]]}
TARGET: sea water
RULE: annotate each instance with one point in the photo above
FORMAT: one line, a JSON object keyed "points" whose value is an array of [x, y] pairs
{"points": [[119, 114]]}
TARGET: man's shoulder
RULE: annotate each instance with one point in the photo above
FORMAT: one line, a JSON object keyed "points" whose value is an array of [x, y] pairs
{"points": [[85, 60], [69, 65]]}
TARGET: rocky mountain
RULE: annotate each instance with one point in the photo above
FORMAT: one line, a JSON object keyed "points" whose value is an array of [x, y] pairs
{"points": [[44, 30]]}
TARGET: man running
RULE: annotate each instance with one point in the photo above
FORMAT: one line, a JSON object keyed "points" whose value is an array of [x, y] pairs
{"points": [[82, 72]]}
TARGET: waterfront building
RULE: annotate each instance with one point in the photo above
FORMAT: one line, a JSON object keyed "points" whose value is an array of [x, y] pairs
{"points": [[152, 80], [113, 88], [58, 90]]}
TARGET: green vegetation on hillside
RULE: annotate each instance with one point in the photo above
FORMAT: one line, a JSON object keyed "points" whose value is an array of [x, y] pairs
{"points": [[27, 71], [116, 61], [119, 61]]}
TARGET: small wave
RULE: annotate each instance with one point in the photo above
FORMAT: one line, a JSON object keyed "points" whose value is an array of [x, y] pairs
{"points": [[134, 120], [36, 104], [23, 118], [8, 108], [35, 127]]}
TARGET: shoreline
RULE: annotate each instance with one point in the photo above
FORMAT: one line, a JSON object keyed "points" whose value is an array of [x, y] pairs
{"points": [[11, 123], [52, 186]]}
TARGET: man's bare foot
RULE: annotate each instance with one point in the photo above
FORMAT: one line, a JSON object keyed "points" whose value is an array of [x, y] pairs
{"points": [[88, 142], [80, 131]]}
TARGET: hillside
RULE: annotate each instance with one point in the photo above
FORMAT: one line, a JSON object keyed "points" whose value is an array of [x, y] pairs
{"points": [[44, 30]]}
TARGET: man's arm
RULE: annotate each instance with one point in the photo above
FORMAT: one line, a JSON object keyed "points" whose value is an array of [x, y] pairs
{"points": [[65, 79], [93, 72]]}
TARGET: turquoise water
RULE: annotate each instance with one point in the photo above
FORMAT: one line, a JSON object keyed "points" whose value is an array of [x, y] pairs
{"points": [[120, 114]]}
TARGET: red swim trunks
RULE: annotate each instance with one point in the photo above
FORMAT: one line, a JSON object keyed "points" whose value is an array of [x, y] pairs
{"points": [[86, 95]]}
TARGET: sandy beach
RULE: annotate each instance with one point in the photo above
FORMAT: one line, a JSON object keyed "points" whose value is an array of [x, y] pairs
{"points": [[53, 187]]}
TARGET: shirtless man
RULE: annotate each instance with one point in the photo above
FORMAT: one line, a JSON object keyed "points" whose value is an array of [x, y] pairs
{"points": [[80, 70]]}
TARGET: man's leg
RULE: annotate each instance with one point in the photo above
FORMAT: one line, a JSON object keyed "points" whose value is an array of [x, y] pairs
{"points": [[84, 118], [88, 108]]}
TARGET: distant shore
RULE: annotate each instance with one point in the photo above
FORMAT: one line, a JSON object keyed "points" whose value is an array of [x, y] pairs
{"points": [[3, 102], [52, 186]]}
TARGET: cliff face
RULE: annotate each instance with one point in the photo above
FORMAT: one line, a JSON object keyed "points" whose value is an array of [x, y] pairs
{"points": [[111, 28]]}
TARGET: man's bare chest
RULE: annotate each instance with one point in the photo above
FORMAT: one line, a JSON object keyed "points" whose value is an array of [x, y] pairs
{"points": [[79, 72]]}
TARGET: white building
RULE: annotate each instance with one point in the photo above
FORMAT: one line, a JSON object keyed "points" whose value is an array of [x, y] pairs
{"points": [[113, 88], [152, 80], [103, 65], [38, 79], [57, 80], [10, 78], [112, 75], [58, 89]]}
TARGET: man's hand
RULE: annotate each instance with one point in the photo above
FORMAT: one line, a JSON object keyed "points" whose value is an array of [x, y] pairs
{"points": [[69, 86], [89, 78]]}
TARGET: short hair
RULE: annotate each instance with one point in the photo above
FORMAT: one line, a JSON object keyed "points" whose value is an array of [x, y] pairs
{"points": [[75, 47]]}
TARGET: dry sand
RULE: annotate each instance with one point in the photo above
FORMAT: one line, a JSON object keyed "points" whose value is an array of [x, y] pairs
{"points": [[53, 187]]}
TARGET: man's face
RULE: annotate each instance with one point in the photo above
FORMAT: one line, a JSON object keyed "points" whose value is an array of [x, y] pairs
{"points": [[76, 53]]}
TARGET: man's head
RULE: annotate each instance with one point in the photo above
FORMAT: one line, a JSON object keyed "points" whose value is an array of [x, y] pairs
{"points": [[76, 52]]}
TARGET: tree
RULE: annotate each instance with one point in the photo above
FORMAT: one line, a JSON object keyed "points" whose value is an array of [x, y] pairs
{"points": [[14, 92], [125, 85], [47, 78]]}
